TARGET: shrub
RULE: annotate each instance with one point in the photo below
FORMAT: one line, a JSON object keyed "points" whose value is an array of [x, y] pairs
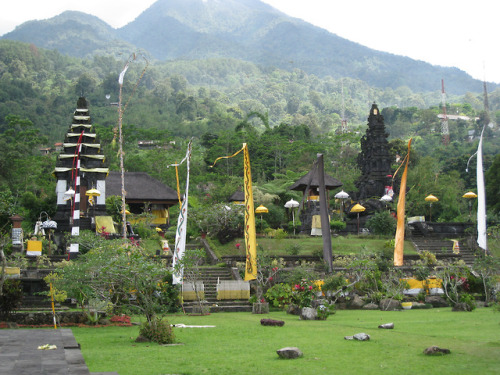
{"points": [[294, 249], [382, 223], [11, 298], [279, 295], [121, 320], [157, 330], [271, 322], [325, 310], [337, 225]]}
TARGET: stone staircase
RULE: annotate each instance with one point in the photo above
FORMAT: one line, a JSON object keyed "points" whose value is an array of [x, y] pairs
{"points": [[210, 275], [444, 247]]}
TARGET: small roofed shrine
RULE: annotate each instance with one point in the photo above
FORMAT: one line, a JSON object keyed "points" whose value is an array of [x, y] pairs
{"points": [[81, 172], [374, 160], [238, 198], [144, 194], [310, 211]]}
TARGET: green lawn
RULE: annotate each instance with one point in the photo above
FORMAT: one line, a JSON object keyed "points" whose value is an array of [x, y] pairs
{"points": [[341, 245], [240, 345]]}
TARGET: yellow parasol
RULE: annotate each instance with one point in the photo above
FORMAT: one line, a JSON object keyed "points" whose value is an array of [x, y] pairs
{"points": [[470, 196], [357, 208], [431, 199]]}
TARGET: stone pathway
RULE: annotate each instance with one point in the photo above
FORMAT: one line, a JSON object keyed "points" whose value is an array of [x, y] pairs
{"points": [[19, 353]]}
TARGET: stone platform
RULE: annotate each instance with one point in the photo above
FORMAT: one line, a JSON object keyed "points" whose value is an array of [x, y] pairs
{"points": [[19, 353]]}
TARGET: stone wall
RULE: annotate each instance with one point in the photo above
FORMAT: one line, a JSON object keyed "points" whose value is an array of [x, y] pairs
{"points": [[46, 317]]}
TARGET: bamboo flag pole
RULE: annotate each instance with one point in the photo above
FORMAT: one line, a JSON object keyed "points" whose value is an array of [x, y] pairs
{"points": [[400, 230]]}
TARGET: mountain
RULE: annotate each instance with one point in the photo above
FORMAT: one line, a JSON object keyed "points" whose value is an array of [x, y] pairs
{"points": [[72, 33], [242, 29]]}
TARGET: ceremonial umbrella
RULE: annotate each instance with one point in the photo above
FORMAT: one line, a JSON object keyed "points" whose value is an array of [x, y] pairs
{"points": [[431, 199], [292, 204], [261, 210], [343, 196], [470, 196], [358, 208]]}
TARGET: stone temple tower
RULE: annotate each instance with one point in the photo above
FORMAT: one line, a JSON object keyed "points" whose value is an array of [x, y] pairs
{"points": [[374, 159], [80, 167]]}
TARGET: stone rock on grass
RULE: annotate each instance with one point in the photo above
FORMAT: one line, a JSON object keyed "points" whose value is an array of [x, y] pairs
{"points": [[289, 352], [358, 336], [436, 350], [387, 326], [308, 313], [436, 301], [293, 310], [389, 304], [370, 306], [356, 302]]}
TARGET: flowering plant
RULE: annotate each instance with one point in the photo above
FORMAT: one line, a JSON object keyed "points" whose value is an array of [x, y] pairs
{"points": [[304, 293]]}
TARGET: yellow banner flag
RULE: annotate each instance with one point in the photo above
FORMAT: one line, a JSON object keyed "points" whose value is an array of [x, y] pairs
{"points": [[250, 234], [400, 230]]}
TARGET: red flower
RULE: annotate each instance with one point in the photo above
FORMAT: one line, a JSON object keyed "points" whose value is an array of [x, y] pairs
{"points": [[310, 287], [262, 300]]}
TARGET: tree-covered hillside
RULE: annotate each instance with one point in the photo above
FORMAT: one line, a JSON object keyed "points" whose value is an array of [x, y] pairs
{"points": [[247, 30], [285, 117]]}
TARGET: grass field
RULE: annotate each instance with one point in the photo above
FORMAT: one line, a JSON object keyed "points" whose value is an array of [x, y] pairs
{"points": [[240, 345], [307, 245]]}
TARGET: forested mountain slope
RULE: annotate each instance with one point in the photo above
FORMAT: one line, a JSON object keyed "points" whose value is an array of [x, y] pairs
{"points": [[246, 30]]}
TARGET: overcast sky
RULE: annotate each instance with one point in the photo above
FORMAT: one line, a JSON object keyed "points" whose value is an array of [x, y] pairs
{"points": [[458, 33]]}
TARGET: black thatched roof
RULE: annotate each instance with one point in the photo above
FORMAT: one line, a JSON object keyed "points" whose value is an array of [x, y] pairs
{"points": [[140, 187], [301, 184], [238, 196]]}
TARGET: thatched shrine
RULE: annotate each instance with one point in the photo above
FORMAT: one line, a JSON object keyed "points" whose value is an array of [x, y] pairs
{"points": [[310, 210]]}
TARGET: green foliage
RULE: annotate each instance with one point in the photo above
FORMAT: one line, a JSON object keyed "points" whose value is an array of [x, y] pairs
{"points": [[334, 283], [455, 282], [492, 181], [11, 297], [325, 310], [337, 225], [294, 249], [428, 258], [219, 220], [279, 295], [304, 292], [120, 273], [157, 330], [382, 223]]}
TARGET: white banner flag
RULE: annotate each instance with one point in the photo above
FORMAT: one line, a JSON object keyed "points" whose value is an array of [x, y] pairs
{"points": [[180, 233], [481, 198]]}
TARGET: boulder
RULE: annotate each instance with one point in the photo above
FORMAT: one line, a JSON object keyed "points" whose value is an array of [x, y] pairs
{"points": [[390, 304], [308, 313], [436, 301], [358, 336], [436, 350], [387, 326], [293, 309], [356, 302], [289, 353], [461, 306], [361, 337], [371, 306]]}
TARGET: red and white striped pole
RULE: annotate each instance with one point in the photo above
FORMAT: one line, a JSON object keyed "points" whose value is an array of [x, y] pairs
{"points": [[75, 214]]}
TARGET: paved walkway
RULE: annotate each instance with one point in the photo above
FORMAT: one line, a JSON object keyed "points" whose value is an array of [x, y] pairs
{"points": [[19, 353]]}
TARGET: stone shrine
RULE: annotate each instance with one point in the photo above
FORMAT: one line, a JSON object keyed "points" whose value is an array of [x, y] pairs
{"points": [[374, 160], [80, 167]]}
